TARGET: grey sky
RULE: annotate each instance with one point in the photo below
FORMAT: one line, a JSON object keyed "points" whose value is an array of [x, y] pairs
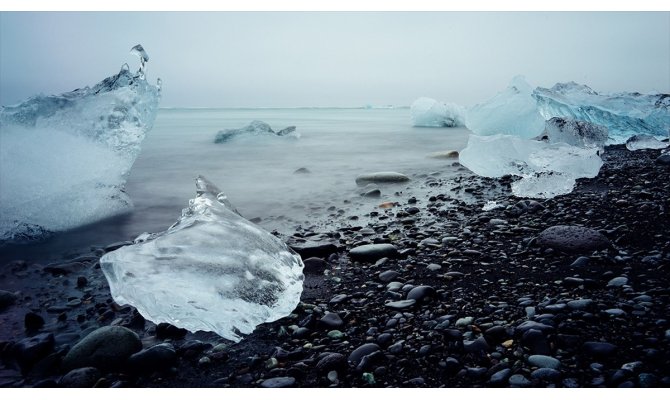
{"points": [[286, 59]]}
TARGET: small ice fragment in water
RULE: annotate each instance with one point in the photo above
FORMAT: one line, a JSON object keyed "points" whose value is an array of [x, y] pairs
{"points": [[255, 128], [427, 112], [212, 270]]}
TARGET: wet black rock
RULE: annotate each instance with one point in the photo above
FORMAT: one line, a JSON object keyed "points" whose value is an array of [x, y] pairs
{"points": [[168, 331], [401, 304], [331, 362], [572, 239], [6, 299], [106, 348], [308, 248], [546, 374], [30, 350], [362, 351], [331, 320], [388, 276], [501, 377], [599, 349], [663, 159], [33, 322], [373, 252], [80, 378], [314, 266], [156, 358], [421, 293], [536, 342], [279, 382]]}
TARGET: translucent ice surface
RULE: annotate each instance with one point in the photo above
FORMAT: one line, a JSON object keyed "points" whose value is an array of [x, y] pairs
{"points": [[212, 271], [64, 158], [623, 114], [432, 113], [546, 169], [639, 142], [575, 133], [510, 112], [255, 128]]}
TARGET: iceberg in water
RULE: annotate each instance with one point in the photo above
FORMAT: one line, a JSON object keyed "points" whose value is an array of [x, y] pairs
{"points": [[546, 169], [255, 128], [510, 112], [212, 270], [64, 158], [574, 133], [639, 142], [624, 114], [431, 113]]}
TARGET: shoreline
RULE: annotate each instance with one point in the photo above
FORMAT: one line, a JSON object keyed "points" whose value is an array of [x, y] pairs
{"points": [[493, 296]]}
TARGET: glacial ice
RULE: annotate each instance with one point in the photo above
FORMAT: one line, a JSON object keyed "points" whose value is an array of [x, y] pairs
{"points": [[623, 114], [255, 128], [428, 112], [64, 158], [212, 271], [510, 112], [639, 142], [574, 133], [546, 169]]}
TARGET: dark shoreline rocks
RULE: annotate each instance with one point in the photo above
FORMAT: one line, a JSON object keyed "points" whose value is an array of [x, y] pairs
{"points": [[469, 298]]}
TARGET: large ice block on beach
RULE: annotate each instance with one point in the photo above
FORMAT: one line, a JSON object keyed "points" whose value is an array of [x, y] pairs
{"points": [[64, 158], [546, 169], [211, 271], [623, 114], [511, 112], [574, 133], [255, 128], [428, 112]]}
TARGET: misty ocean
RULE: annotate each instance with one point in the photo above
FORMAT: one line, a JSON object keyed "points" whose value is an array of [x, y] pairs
{"points": [[257, 173]]}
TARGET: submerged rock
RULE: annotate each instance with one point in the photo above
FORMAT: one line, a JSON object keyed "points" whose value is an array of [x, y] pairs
{"points": [[381, 177], [212, 271]]}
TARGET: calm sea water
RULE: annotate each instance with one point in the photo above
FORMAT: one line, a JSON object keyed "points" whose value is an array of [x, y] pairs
{"points": [[257, 173]]}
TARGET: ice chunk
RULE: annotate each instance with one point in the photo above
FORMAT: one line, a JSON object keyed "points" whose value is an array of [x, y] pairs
{"points": [[431, 113], [255, 128], [574, 133], [546, 169], [212, 271], [64, 158], [138, 50], [623, 114], [510, 112], [639, 142]]}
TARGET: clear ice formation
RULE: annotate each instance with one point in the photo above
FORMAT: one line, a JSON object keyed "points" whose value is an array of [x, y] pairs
{"points": [[212, 271], [546, 169], [428, 112], [138, 50], [623, 114], [255, 128], [574, 133], [510, 112], [64, 158], [639, 142]]}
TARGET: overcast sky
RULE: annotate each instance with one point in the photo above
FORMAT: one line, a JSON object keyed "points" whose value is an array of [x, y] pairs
{"points": [[288, 59]]}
